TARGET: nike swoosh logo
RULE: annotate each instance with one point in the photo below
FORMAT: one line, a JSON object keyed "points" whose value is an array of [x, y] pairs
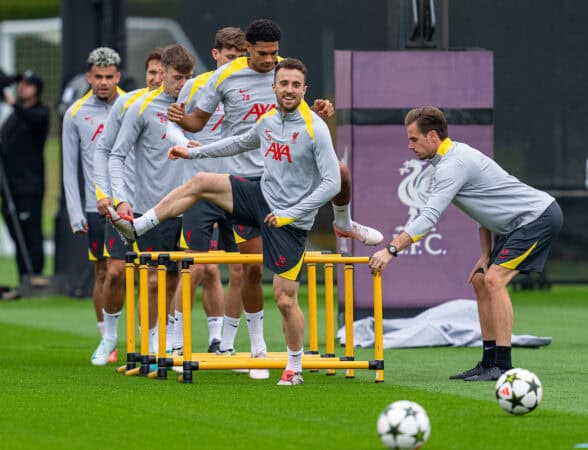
{"points": [[241, 91]]}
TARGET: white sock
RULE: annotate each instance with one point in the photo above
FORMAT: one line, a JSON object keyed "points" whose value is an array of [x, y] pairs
{"points": [[179, 331], [170, 332], [146, 222], [230, 326], [153, 339], [294, 360], [110, 325], [101, 328], [215, 326], [342, 215], [255, 326]]}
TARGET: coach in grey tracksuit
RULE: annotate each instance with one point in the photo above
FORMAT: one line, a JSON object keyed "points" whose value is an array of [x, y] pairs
{"points": [[524, 221]]}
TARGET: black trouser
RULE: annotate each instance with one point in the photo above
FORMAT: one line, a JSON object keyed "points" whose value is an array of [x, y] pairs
{"points": [[29, 208]]}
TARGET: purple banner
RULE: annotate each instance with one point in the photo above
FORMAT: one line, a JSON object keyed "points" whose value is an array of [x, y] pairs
{"points": [[390, 186]]}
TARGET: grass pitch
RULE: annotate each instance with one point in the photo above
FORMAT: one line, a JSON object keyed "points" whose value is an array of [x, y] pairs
{"points": [[52, 398]]}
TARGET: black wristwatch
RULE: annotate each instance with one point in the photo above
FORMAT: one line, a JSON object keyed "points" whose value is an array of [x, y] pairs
{"points": [[392, 250]]}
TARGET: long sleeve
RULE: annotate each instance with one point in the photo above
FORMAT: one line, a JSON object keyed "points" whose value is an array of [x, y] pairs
{"points": [[71, 156], [229, 146], [330, 176], [102, 154], [128, 134], [37, 115], [449, 180], [175, 135]]}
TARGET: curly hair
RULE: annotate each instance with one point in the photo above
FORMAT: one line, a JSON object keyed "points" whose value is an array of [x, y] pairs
{"points": [[262, 30], [103, 57]]}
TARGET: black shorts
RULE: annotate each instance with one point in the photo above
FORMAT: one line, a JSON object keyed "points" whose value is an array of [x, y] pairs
{"points": [[114, 247], [243, 232], [526, 248], [164, 237], [96, 224], [198, 228], [283, 248]]}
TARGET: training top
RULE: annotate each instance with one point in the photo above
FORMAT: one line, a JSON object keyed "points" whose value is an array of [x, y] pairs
{"points": [[482, 189], [301, 171], [246, 95], [105, 143], [210, 133], [83, 124], [144, 127]]}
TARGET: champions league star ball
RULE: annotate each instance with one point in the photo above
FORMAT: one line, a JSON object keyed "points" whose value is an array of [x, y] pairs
{"points": [[518, 391], [404, 424]]}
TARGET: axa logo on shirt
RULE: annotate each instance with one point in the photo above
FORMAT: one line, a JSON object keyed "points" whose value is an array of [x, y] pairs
{"points": [[279, 150], [258, 109]]}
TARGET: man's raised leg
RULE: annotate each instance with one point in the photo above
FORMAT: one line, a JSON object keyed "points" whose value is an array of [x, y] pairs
{"points": [[343, 225], [213, 187]]}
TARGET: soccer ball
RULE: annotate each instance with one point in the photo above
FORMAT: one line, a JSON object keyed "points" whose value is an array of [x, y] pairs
{"points": [[518, 391], [404, 424]]}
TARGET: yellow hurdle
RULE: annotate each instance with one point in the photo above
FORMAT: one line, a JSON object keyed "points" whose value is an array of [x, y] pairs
{"points": [[312, 360]]}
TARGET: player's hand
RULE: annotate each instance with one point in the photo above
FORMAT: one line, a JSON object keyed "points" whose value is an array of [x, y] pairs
{"points": [[177, 151], [482, 263], [323, 108], [124, 208], [83, 230], [102, 205], [379, 261], [176, 111], [193, 143], [271, 220]]}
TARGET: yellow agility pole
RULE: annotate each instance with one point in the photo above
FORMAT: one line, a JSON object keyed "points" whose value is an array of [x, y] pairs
{"points": [[130, 301], [329, 315], [349, 350], [187, 307], [161, 307], [312, 310], [144, 312], [378, 326]]}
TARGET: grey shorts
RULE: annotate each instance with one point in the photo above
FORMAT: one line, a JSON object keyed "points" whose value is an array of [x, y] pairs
{"points": [[283, 248], [526, 248]]}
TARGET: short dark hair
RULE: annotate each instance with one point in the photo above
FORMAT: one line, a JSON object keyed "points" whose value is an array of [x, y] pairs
{"points": [[292, 64], [428, 118], [263, 30], [155, 55], [177, 57], [230, 37]]}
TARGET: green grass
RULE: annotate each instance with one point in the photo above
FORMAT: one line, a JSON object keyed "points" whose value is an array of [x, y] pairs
{"points": [[52, 398]]}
